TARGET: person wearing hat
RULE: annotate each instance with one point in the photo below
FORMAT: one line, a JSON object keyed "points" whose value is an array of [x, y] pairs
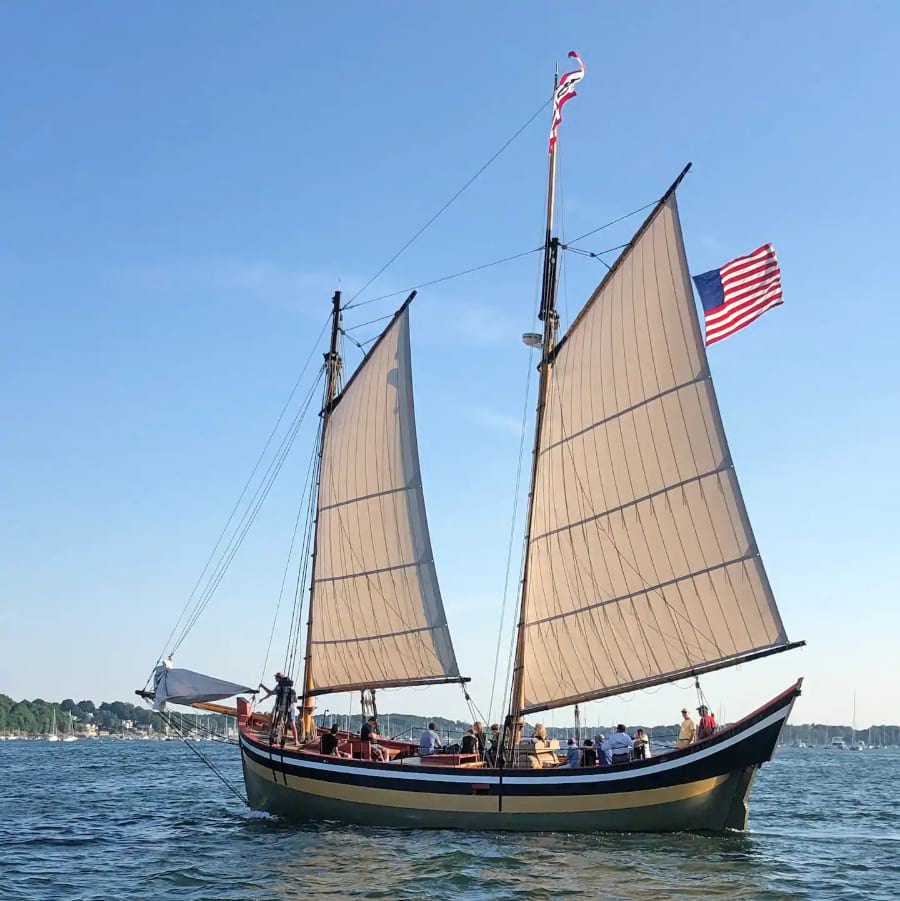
{"points": [[688, 728], [708, 725], [286, 708], [282, 685], [589, 754]]}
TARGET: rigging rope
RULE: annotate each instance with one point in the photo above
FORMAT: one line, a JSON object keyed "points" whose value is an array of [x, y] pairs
{"points": [[304, 503], [243, 493], [512, 527], [249, 516], [436, 281], [300, 592], [596, 255], [512, 538], [566, 246], [435, 217], [182, 734], [600, 228]]}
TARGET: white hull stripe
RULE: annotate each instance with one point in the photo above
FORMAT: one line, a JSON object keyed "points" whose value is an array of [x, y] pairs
{"points": [[398, 771]]}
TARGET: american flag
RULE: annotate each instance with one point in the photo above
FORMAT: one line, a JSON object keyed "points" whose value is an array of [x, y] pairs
{"points": [[739, 292], [565, 91]]}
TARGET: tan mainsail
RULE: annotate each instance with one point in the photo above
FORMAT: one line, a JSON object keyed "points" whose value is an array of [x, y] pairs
{"points": [[377, 615], [642, 563]]}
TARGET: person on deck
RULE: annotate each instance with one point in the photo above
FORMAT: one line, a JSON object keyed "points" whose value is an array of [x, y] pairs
{"points": [[619, 745], [588, 755], [369, 733], [429, 741], [686, 735], [330, 741], [293, 717], [707, 726], [641, 745], [478, 729], [493, 748], [539, 733], [283, 686], [604, 758], [469, 743], [285, 703], [573, 754]]}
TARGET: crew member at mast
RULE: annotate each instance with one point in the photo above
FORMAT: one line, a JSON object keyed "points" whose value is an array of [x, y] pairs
{"points": [[369, 733], [478, 729], [286, 709], [493, 747]]}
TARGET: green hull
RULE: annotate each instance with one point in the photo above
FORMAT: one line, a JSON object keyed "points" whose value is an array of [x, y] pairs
{"points": [[701, 788]]}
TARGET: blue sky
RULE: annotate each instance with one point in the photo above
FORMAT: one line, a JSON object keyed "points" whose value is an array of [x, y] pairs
{"points": [[184, 187]]}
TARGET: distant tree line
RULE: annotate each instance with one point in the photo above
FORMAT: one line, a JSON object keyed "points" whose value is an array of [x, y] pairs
{"points": [[36, 717]]}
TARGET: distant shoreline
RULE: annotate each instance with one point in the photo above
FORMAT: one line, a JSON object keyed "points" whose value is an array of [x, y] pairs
{"points": [[122, 720]]}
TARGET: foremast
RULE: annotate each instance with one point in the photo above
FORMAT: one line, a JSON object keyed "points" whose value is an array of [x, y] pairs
{"points": [[550, 319], [333, 366]]}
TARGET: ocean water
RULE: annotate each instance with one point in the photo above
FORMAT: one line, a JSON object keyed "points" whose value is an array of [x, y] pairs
{"points": [[141, 819]]}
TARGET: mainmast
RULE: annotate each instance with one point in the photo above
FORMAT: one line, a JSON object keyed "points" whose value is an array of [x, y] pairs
{"points": [[550, 319], [333, 364]]}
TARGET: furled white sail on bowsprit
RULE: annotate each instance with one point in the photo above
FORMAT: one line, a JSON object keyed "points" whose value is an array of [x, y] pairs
{"points": [[377, 617], [184, 686], [642, 565]]}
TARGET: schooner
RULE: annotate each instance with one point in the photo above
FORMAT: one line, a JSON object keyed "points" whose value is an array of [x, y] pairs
{"points": [[640, 568]]}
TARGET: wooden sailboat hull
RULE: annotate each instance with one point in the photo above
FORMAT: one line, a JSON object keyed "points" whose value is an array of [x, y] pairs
{"points": [[701, 788]]}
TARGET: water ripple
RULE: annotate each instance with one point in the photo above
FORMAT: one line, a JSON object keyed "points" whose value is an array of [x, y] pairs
{"points": [[141, 820]]}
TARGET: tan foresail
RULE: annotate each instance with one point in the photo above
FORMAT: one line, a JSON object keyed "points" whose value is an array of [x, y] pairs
{"points": [[642, 563], [377, 618]]}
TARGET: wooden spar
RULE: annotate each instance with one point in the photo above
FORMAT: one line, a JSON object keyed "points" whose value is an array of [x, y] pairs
{"points": [[215, 708], [665, 679], [332, 371], [548, 315]]}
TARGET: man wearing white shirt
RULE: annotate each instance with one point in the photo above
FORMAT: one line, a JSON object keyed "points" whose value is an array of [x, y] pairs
{"points": [[429, 741], [618, 746]]}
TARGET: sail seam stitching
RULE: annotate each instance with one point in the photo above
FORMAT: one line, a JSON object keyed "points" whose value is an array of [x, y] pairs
{"points": [[372, 637], [647, 590], [633, 503], [368, 497], [704, 376], [371, 572]]}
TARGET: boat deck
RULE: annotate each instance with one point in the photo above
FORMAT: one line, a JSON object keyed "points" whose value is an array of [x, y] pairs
{"points": [[352, 747]]}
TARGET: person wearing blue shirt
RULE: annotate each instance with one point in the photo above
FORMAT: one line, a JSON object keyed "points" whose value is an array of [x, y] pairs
{"points": [[604, 758], [573, 754]]}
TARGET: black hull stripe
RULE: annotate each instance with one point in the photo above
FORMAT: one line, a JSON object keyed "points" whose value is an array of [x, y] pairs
{"points": [[729, 751]]}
